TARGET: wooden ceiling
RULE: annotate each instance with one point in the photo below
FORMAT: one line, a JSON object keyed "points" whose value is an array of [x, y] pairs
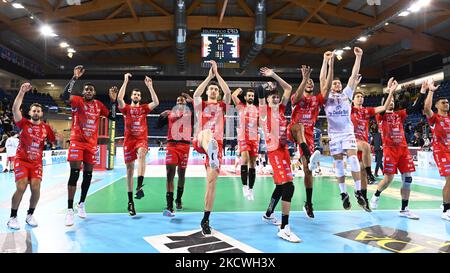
{"points": [[132, 32]]}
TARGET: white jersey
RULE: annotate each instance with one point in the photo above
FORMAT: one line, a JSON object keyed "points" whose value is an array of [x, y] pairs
{"points": [[11, 146], [338, 109]]}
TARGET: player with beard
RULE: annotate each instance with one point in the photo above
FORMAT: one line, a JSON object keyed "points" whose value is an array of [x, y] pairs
{"points": [[135, 145], [208, 134], [395, 150], [86, 113], [28, 163], [247, 139], [179, 120], [305, 112]]}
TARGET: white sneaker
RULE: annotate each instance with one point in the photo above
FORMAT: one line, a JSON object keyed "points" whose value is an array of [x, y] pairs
{"points": [[313, 160], [408, 214], [287, 235], [250, 196], [31, 221], [271, 220], [69, 217], [13, 223], [81, 210], [245, 191], [213, 150], [446, 215], [374, 201]]}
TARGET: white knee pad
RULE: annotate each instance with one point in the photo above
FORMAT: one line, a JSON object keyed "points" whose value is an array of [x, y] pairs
{"points": [[406, 180], [354, 163], [339, 169]]}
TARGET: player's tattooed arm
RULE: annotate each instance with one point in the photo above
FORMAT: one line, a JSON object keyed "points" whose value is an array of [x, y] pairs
{"points": [[78, 71], [18, 101]]}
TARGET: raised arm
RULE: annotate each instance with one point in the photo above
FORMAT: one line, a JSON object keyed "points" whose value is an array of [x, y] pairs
{"points": [[306, 72], [325, 82], [155, 101], [78, 71], [18, 101], [226, 90], [429, 100], [325, 91], [287, 88], [355, 71], [235, 95], [188, 98], [201, 88], [123, 90]]}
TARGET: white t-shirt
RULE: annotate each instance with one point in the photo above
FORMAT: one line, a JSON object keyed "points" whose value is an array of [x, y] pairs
{"points": [[338, 109], [11, 146]]}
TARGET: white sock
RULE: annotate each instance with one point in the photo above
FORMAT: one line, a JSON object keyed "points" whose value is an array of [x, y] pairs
{"points": [[343, 187], [358, 185]]}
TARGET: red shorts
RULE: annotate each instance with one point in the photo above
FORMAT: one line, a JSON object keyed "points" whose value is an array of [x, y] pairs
{"points": [[397, 158], [177, 154], [280, 161], [84, 152], [27, 170], [251, 146], [11, 158], [130, 148], [199, 149], [442, 160], [309, 139]]}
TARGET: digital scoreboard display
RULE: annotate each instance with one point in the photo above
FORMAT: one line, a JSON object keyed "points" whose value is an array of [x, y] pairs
{"points": [[222, 46]]}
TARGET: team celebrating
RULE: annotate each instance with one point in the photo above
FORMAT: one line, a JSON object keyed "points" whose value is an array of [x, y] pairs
{"points": [[203, 126]]}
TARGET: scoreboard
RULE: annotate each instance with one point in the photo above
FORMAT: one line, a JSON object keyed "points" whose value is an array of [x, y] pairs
{"points": [[222, 46]]}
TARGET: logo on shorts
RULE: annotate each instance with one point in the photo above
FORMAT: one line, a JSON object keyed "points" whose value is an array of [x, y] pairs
{"points": [[194, 242]]}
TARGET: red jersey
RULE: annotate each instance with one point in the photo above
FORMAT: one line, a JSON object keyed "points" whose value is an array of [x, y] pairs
{"points": [[392, 132], [360, 119], [135, 120], [440, 126], [306, 111], [211, 115], [180, 126], [275, 126], [248, 122], [32, 140], [85, 117]]}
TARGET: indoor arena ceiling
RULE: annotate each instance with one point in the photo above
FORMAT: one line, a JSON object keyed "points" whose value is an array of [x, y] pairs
{"points": [[141, 32]]}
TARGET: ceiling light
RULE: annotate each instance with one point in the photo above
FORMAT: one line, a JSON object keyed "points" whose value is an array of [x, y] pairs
{"points": [[31, 17], [49, 83], [64, 44], [18, 6], [70, 55], [404, 13], [363, 85], [339, 52], [386, 24], [347, 48], [71, 50], [414, 7]]}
